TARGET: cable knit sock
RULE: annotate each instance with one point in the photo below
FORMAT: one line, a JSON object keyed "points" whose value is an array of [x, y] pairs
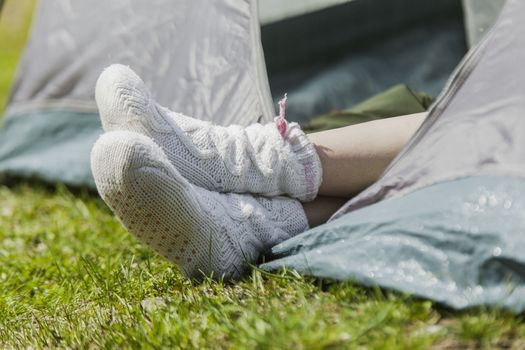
{"points": [[203, 232], [262, 159]]}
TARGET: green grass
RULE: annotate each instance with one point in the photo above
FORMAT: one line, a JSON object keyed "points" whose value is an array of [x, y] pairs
{"points": [[71, 277]]}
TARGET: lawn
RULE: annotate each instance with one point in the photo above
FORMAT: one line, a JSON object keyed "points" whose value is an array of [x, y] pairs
{"points": [[71, 277]]}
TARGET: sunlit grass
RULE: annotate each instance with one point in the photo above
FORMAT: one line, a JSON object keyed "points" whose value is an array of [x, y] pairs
{"points": [[72, 277]]}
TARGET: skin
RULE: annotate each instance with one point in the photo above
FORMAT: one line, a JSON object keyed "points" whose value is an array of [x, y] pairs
{"points": [[354, 157]]}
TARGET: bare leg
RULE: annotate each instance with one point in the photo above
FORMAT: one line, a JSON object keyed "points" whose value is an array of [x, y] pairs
{"points": [[354, 157], [321, 209]]}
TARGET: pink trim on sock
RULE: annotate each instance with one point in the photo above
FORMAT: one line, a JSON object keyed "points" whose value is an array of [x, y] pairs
{"points": [[308, 171], [282, 124]]}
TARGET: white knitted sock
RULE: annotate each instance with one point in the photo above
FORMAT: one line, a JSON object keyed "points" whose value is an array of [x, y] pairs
{"points": [[256, 159], [203, 232]]}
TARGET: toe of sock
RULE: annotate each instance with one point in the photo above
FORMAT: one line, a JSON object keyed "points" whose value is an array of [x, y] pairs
{"points": [[156, 204], [120, 93], [117, 153]]}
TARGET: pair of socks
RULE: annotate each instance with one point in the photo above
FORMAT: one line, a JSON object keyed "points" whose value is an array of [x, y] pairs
{"points": [[211, 199]]}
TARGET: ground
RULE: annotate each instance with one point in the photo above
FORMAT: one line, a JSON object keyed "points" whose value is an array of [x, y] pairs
{"points": [[71, 277]]}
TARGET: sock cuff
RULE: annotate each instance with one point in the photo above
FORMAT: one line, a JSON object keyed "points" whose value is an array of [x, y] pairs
{"points": [[308, 160]]}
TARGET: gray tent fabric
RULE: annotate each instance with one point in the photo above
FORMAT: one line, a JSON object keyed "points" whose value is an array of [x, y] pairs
{"points": [[480, 16], [458, 243], [192, 54], [445, 220], [202, 58]]}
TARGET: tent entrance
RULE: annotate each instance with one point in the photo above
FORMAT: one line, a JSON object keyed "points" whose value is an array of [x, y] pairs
{"points": [[341, 55]]}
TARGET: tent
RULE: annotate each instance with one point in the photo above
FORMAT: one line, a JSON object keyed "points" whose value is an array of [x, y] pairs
{"points": [[206, 59], [444, 220], [480, 17]]}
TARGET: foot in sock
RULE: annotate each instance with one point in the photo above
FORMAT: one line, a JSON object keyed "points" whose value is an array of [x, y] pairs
{"points": [[203, 232], [256, 159]]}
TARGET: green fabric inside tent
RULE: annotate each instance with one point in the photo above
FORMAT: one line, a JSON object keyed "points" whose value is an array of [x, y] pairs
{"points": [[396, 101]]}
